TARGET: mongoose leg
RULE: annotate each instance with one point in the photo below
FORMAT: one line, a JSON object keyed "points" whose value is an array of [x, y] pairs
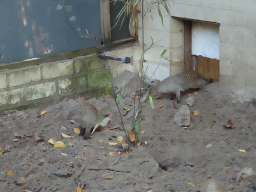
{"points": [[178, 96]]}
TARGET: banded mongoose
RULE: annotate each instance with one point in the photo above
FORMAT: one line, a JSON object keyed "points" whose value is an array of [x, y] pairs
{"points": [[85, 118], [180, 82]]}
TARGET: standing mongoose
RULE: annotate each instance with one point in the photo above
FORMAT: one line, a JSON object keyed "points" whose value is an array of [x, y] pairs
{"points": [[180, 82], [85, 117]]}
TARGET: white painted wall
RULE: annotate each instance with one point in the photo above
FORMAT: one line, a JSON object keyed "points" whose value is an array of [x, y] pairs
{"points": [[205, 40]]}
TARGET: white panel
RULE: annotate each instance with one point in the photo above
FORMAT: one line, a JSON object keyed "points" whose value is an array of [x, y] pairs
{"points": [[205, 40]]}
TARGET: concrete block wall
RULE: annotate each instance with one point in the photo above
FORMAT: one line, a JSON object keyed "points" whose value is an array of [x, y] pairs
{"points": [[237, 40], [50, 80]]}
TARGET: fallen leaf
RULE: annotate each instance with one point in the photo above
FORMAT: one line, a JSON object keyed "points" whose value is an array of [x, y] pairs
{"points": [[100, 141], [229, 124], [66, 136], [43, 113], [244, 176], [37, 138], [195, 93], [107, 176], [15, 140], [150, 191], [146, 142], [70, 144], [226, 171], [160, 106], [137, 98], [126, 108], [196, 113], [122, 153], [142, 132], [5, 168], [71, 121], [9, 173], [78, 189], [59, 144], [132, 136], [242, 150], [51, 141], [77, 130], [208, 145], [191, 183], [170, 169], [64, 154], [120, 139], [112, 143], [112, 154], [184, 127], [1, 151], [189, 95], [213, 122]]}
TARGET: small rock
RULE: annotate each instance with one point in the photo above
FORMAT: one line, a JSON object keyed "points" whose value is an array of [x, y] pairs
{"points": [[62, 173], [182, 117], [242, 174], [190, 101]]}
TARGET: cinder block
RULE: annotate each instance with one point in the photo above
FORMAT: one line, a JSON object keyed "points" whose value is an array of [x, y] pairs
{"points": [[99, 78], [3, 83], [155, 70], [157, 38], [176, 55], [3, 97], [64, 85], [24, 76], [57, 69], [15, 95], [176, 25], [177, 39], [38, 91], [154, 55], [87, 63], [176, 69]]}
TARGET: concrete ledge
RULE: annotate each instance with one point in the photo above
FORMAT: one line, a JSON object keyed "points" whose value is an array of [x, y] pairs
{"points": [[3, 83]]}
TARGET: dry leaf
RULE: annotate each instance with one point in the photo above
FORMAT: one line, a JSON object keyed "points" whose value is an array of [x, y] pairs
{"points": [[229, 125], [107, 176], [1, 151], [146, 142], [160, 106], [120, 139], [59, 144], [142, 132], [100, 141], [150, 191], [226, 171], [78, 189], [137, 98], [184, 127], [15, 140], [213, 122], [51, 140], [208, 145], [5, 168], [77, 130], [242, 150], [112, 143], [44, 112], [195, 93], [196, 113], [66, 136], [37, 138], [132, 136], [70, 144], [112, 154], [9, 173], [122, 153], [71, 121], [191, 183], [65, 154], [170, 169]]}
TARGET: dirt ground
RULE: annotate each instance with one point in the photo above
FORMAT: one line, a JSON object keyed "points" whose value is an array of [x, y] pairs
{"points": [[174, 159]]}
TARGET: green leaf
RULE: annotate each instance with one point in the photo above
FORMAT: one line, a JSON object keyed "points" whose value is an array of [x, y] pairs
{"points": [[100, 119], [151, 102], [163, 52], [160, 14], [72, 18], [78, 29], [137, 125], [59, 7], [69, 8], [126, 108], [119, 99]]}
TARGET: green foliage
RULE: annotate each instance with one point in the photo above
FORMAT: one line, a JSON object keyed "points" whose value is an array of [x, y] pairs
{"points": [[119, 99], [151, 102], [72, 18], [137, 126], [163, 52], [69, 8]]}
